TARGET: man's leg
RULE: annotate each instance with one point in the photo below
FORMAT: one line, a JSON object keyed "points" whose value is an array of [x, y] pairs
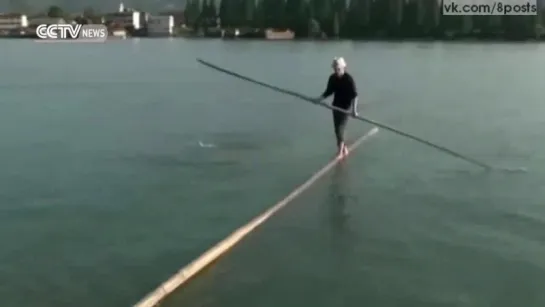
{"points": [[339, 122]]}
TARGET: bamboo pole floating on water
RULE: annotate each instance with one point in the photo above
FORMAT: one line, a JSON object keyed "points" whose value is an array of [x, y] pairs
{"points": [[308, 99], [187, 272]]}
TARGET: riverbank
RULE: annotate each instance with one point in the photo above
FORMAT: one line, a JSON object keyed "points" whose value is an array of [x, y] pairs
{"points": [[269, 34], [330, 40]]}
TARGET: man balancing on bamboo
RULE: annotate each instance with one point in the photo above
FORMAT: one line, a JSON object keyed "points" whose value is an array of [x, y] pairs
{"points": [[342, 86]]}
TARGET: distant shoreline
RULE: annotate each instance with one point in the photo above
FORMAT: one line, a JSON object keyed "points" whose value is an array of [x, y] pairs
{"points": [[386, 40]]}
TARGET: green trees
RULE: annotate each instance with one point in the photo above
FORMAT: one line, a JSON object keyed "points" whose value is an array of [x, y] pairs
{"points": [[297, 16], [55, 12], [192, 12], [274, 13], [227, 13], [208, 14], [233, 13], [200, 14], [358, 18], [248, 12], [89, 12], [365, 18]]}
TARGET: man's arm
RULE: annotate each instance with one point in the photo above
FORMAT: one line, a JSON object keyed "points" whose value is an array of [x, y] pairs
{"points": [[329, 88], [354, 95]]}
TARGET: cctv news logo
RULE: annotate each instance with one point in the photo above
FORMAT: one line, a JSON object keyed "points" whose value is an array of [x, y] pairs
{"points": [[72, 33]]}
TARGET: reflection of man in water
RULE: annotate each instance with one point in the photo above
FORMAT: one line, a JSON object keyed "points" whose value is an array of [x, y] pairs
{"points": [[342, 239], [337, 200]]}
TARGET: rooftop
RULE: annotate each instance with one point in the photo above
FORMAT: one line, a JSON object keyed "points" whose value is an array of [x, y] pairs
{"points": [[11, 15], [120, 14]]}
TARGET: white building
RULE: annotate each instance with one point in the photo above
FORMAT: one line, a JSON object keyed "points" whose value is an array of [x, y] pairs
{"points": [[161, 25], [125, 19], [46, 21], [10, 22]]}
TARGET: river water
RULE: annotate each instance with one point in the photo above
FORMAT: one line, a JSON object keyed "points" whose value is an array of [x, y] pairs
{"points": [[122, 162]]}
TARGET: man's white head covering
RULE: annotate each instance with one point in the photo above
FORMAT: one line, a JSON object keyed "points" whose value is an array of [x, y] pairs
{"points": [[339, 62]]}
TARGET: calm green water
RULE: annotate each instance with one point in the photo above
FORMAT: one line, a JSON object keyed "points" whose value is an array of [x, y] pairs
{"points": [[105, 190]]}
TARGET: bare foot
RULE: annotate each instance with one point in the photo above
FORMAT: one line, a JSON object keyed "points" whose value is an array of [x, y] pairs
{"points": [[340, 153]]}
